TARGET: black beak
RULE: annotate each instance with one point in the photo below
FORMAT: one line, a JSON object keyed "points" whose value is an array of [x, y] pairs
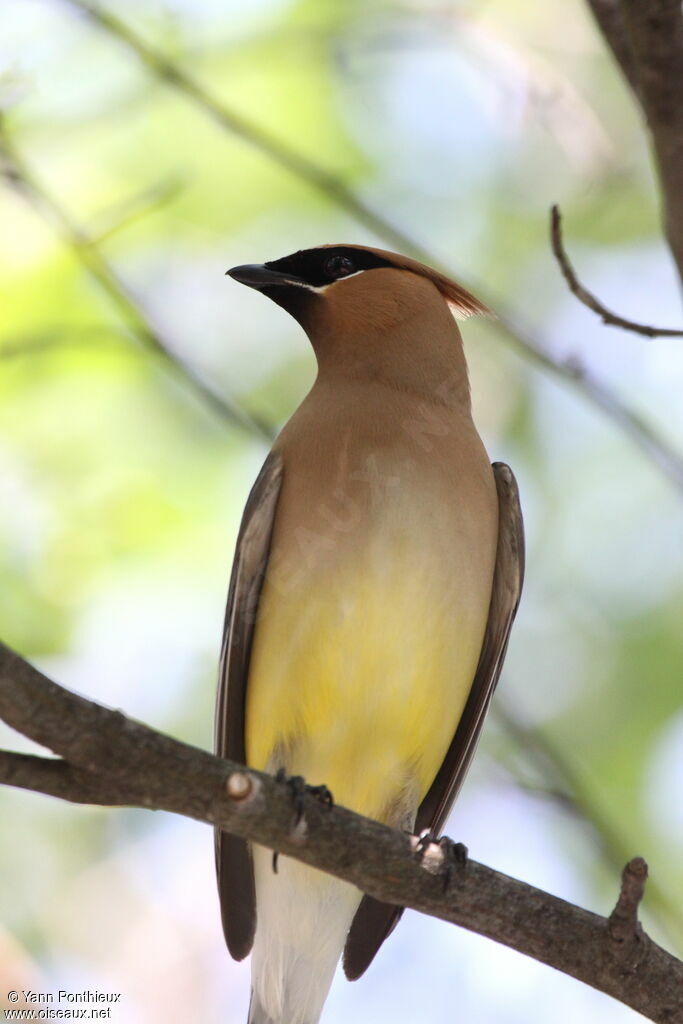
{"points": [[257, 275]]}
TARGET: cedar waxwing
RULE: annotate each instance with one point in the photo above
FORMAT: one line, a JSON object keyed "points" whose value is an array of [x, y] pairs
{"points": [[376, 577]]}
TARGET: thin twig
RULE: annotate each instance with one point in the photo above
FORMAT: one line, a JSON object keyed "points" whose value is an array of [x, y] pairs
{"points": [[286, 156], [634, 426], [16, 347], [16, 172], [135, 208], [590, 300], [623, 921], [666, 458], [109, 759]]}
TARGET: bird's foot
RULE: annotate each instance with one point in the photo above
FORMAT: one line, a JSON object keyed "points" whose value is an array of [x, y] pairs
{"points": [[299, 789], [453, 855]]}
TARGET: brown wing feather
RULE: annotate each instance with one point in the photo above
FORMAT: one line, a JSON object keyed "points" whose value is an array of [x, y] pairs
{"points": [[374, 920], [233, 857]]}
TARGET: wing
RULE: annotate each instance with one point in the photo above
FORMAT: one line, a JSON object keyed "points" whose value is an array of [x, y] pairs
{"points": [[234, 869], [374, 920]]}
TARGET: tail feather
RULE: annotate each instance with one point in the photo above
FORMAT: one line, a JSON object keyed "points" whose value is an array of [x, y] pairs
{"points": [[257, 1015], [303, 918]]}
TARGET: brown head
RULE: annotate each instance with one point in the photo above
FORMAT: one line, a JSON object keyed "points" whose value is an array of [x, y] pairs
{"points": [[369, 313]]}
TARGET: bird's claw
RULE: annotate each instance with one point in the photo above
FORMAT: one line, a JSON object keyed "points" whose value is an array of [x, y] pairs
{"points": [[299, 789], [322, 794], [454, 854]]}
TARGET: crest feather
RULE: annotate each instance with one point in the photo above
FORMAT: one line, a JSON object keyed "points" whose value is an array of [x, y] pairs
{"points": [[463, 303]]}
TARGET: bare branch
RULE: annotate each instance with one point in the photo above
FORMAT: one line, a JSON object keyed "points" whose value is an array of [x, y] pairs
{"points": [[610, 19], [669, 461], [590, 300], [114, 760], [15, 171], [655, 29], [55, 777], [646, 39]]}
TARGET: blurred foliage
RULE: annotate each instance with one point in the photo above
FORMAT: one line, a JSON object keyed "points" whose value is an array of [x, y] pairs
{"points": [[121, 489]]}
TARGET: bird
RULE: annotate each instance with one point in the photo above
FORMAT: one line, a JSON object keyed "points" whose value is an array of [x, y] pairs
{"points": [[377, 573]]}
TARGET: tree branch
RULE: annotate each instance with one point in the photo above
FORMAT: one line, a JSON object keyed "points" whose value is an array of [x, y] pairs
{"points": [[609, 17], [666, 458], [16, 172], [646, 39], [655, 29], [109, 759], [56, 777], [590, 300]]}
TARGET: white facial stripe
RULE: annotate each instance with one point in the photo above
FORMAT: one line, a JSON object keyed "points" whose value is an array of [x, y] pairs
{"points": [[319, 289], [294, 281]]}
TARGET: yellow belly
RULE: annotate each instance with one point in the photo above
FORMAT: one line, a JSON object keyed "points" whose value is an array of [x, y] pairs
{"points": [[359, 674]]}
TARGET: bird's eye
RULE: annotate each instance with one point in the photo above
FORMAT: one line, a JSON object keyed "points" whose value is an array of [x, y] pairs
{"points": [[339, 266]]}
